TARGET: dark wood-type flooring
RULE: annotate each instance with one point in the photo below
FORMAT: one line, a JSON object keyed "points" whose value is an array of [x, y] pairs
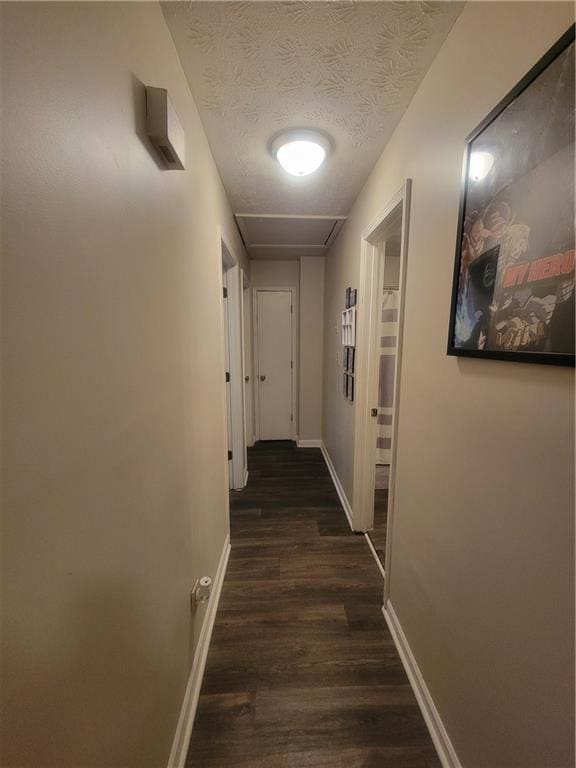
{"points": [[302, 671], [378, 535]]}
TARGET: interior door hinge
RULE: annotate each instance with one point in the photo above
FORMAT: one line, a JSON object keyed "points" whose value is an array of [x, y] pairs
{"points": [[291, 417], [229, 455], [291, 364], [227, 377], [225, 292], [290, 308]]}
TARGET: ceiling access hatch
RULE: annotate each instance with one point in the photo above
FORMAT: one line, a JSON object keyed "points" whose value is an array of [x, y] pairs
{"points": [[288, 237]]}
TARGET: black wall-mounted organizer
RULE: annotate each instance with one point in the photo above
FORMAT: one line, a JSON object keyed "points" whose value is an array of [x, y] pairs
{"points": [[349, 343]]}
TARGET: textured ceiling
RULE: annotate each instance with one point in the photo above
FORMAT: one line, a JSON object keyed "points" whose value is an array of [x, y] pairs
{"points": [[350, 69]]}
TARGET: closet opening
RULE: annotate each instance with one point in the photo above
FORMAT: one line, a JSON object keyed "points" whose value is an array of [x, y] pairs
{"points": [[381, 325]]}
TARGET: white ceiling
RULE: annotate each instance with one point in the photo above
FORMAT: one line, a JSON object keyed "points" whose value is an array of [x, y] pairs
{"points": [[349, 69]]}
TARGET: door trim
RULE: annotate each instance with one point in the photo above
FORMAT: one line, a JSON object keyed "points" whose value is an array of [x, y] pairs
{"points": [[368, 367], [234, 272], [294, 297]]}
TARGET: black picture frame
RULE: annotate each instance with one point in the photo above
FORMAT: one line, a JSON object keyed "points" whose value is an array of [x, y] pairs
{"points": [[508, 312], [351, 388], [348, 359], [348, 294], [345, 384], [353, 296]]}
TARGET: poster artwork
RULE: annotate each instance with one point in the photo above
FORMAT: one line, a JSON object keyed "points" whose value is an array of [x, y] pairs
{"points": [[514, 279]]}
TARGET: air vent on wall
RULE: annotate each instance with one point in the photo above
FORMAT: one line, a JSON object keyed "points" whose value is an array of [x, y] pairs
{"points": [[164, 128]]}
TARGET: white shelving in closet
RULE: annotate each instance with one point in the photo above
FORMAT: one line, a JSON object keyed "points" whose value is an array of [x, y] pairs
{"points": [[349, 327]]}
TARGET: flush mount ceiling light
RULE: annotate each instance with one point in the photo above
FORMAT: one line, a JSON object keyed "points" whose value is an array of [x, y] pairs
{"points": [[480, 165], [300, 153]]}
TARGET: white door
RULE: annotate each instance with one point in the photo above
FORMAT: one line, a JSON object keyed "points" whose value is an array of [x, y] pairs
{"points": [[248, 383], [274, 374], [228, 392]]}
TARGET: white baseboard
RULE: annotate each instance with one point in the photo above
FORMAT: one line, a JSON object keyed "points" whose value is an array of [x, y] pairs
{"points": [[337, 484], [186, 720], [438, 732], [309, 443], [375, 555]]}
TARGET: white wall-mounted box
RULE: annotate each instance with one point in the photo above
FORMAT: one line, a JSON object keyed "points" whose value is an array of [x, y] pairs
{"points": [[164, 128]]}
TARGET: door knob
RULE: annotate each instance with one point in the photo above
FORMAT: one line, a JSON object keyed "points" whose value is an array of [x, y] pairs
{"points": [[246, 379], [374, 412], [262, 378]]}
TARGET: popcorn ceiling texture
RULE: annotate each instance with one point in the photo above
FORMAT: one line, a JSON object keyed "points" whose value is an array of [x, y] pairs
{"points": [[257, 68]]}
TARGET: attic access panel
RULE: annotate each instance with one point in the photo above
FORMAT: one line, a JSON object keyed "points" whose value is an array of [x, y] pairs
{"points": [[298, 231]]}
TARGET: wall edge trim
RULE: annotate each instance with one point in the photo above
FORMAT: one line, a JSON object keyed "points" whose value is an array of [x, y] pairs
{"points": [[375, 555], [438, 732], [183, 731], [337, 484]]}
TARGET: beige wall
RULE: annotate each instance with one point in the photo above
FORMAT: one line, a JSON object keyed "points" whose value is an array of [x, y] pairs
{"points": [[114, 487], [483, 559], [392, 258], [275, 273], [311, 347]]}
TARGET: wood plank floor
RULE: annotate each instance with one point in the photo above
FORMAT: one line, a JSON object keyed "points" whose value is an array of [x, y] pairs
{"points": [[302, 671]]}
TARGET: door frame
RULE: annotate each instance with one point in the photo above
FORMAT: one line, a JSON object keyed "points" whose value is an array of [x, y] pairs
{"points": [[234, 277], [255, 358], [368, 316]]}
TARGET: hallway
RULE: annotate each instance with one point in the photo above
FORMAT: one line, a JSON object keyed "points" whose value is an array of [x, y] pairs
{"points": [[302, 670], [288, 301]]}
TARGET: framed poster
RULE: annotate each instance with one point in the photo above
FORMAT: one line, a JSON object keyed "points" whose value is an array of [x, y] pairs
{"points": [[348, 359], [513, 287]]}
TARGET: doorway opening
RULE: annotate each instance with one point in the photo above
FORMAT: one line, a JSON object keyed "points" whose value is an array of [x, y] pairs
{"points": [[381, 326], [387, 336], [232, 301]]}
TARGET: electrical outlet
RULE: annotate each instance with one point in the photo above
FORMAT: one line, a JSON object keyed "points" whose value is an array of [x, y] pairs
{"points": [[201, 590]]}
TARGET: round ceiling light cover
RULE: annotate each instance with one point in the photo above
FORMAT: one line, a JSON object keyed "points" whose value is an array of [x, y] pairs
{"points": [[300, 153]]}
